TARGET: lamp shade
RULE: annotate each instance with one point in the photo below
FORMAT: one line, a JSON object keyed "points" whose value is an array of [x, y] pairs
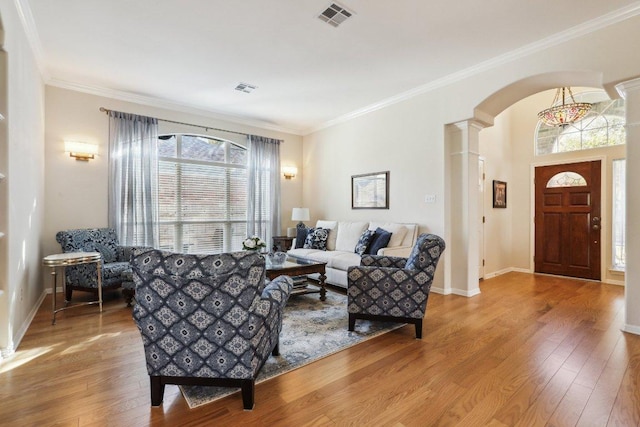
{"points": [[564, 114], [300, 214]]}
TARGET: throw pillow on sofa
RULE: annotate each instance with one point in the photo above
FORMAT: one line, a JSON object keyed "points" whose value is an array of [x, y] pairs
{"points": [[363, 242], [379, 240], [317, 239], [301, 236]]}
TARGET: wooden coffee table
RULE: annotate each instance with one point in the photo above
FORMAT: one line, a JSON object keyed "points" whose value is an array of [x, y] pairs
{"points": [[301, 267]]}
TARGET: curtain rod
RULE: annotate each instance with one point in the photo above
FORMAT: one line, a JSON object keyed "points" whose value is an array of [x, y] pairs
{"points": [[107, 111]]}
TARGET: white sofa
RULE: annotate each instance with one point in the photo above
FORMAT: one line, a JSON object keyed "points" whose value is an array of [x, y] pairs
{"points": [[342, 240]]}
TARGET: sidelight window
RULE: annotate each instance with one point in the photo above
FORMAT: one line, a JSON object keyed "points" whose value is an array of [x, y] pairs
{"points": [[618, 238]]}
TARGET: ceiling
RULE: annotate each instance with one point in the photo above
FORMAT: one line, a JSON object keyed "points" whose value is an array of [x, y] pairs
{"points": [[190, 55]]}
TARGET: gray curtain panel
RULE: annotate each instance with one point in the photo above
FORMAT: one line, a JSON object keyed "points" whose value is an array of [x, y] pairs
{"points": [[133, 174], [263, 197]]}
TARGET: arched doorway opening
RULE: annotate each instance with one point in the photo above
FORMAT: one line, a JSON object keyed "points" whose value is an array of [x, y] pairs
{"points": [[461, 172]]}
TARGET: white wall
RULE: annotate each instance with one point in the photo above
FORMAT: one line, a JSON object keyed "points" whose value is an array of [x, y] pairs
{"points": [[495, 148], [22, 193], [407, 137], [76, 191]]}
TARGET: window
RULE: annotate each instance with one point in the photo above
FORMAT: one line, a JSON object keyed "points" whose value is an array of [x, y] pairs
{"points": [[603, 126], [618, 241], [566, 179], [202, 194]]}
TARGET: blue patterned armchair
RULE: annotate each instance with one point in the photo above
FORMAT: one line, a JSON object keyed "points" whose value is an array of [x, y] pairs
{"points": [[394, 289], [207, 319], [116, 269]]}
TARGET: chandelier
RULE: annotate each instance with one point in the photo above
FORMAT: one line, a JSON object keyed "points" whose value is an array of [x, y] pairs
{"points": [[560, 115]]}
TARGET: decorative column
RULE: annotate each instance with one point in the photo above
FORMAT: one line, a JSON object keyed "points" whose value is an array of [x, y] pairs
{"points": [[630, 91], [462, 274]]}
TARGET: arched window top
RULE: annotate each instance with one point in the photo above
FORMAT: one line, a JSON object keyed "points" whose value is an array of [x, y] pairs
{"points": [[205, 148], [603, 126], [566, 179]]}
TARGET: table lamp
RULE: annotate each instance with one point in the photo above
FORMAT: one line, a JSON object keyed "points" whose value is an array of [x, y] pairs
{"points": [[300, 214]]}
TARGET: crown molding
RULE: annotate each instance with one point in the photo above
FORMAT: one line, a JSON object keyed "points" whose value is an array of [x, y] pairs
{"points": [[628, 86], [26, 17], [167, 104], [554, 40], [24, 11]]}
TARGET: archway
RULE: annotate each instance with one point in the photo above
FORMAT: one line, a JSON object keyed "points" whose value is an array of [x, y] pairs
{"points": [[461, 172]]}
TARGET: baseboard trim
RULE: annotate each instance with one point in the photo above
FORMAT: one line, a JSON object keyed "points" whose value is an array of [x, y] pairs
{"points": [[505, 271], [8, 351], [631, 329], [614, 282], [470, 293], [443, 291]]}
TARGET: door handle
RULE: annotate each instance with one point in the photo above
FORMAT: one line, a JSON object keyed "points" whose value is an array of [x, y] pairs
{"points": [[596, 227], [595, 219]]}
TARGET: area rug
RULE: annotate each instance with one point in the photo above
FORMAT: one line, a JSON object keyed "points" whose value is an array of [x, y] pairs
{"points": [[312, 329]]}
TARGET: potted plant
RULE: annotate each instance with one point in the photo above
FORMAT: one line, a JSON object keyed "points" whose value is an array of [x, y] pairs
{"points": [[253, 243]]}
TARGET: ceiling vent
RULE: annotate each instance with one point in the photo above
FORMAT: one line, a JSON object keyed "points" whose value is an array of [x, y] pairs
{"points": [[245, 87], [335, 15]]}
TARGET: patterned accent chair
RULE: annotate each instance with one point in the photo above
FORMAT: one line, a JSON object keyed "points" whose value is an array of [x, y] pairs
{"points": [[116, 269], [207, 319], [394, 289]]}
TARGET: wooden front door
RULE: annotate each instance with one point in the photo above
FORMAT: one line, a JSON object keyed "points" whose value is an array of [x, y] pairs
{"points": [[567, 221]]}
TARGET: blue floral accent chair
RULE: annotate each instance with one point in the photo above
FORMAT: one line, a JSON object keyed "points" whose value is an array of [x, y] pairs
{"points": [[207, 319], [394, 289], [116, 269]]}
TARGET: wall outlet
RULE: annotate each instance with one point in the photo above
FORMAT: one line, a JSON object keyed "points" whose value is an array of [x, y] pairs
{"points": [[430, 198]]}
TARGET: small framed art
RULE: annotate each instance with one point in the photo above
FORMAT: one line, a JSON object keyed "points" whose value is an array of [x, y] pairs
{"points": [[499, 194], [370, 191]]}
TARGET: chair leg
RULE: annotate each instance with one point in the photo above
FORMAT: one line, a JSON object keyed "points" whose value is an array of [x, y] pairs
{"points": [[67, 296], [276, 349], [419, 329], [157, 390], [248, 393], [352, 322], [128, 294]]}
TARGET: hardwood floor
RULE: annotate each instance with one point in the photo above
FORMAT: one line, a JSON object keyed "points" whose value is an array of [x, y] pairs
{"points": [[528, 351]]}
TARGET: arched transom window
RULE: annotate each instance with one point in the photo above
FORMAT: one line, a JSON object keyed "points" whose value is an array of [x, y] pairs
{"points": [[603, 126], [566, 179]]}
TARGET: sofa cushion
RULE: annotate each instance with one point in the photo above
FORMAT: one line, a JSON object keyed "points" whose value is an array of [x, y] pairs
{"points": [[379, 240], [303, 253], [332, 226], [363, 242], [348, 235], [324, 256], [398, 232], [316, 239], [344, 260]]}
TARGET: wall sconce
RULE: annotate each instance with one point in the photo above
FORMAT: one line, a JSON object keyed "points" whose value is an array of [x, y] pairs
{"points": [[81, 150], [289, 172]]}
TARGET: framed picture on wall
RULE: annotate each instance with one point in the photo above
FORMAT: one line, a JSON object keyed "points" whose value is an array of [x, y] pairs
{"points": [[370, 191], [499, 194]]}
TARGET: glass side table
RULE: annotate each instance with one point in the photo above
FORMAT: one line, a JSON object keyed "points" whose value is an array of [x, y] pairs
{"points": [[68, 259]]}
